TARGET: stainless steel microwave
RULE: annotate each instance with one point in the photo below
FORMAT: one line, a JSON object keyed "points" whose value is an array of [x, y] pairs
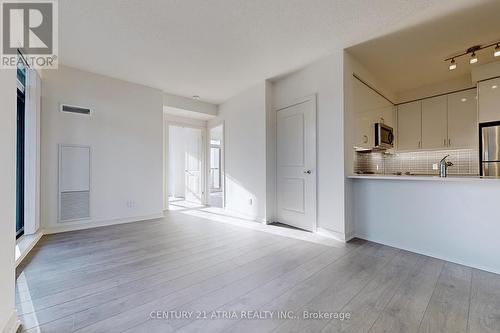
{"points": [[384, 136]]}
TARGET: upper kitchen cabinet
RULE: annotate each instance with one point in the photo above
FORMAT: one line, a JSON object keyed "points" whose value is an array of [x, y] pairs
{"points": [[369, 108], [434, 123], [363, 130], [462, 119], [409, 125], [489, 100]]}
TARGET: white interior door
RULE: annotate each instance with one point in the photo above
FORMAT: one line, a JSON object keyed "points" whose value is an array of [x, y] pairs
{"points": [[194, 158], [296, 165]]}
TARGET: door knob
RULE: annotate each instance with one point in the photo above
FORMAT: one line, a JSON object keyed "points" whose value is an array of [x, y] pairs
{"points": [[307, 172]]}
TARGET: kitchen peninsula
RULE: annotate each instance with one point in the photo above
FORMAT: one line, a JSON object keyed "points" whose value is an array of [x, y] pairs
{"points": [[397, 196]]}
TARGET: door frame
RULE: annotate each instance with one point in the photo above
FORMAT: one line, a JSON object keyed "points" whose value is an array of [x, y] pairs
{"points": [[222, 162], [297, 101], [203, 171]]}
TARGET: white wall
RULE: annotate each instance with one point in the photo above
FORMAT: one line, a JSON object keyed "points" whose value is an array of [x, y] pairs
{"points": [[7, 197], [453, 220], [189, 104], [324, 78], [244, 117], [125, 133]]}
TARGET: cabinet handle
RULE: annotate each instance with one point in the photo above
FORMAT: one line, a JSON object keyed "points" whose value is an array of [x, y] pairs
{"points": [[449, 142], [419, 144], [445, 142]]}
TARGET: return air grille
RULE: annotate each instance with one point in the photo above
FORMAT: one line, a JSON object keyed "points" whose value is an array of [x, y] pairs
{"points": [[74, 183], [75, 205], [75, 109]]}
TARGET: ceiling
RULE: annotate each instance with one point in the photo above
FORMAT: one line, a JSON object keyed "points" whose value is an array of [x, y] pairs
{"points": [[412, 58], [218, 48]]}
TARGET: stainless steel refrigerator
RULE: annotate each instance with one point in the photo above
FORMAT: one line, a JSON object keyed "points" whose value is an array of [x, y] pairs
{"points": [[489, 146]]}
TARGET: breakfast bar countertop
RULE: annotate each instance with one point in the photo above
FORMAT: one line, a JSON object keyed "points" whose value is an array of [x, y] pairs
{"points": [[422, 177]]}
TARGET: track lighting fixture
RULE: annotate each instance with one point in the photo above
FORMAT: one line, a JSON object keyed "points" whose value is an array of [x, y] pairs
{"points": [[453, 65], [473, 58]]}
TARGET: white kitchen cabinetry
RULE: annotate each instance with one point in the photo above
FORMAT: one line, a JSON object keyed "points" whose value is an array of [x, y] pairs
{"points": [[387, 115], [369, 108], [441, 122], [363, 130], [434, 123], [409, 125], [462, 119], [489, 100]]}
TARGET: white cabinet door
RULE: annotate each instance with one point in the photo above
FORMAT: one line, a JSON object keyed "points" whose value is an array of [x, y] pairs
{"points": [[387, 115], [409, 125], [363, 130], [434, 123], [462, 119], [489, 100]]}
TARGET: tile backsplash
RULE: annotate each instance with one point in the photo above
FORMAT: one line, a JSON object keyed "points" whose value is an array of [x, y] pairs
{"points": [[466, 162]]}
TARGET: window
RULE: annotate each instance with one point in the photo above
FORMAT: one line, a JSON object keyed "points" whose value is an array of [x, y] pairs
{"points": [[215, 164], [21, 88]]}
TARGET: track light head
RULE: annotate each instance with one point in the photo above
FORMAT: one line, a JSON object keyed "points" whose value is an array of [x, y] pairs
{"points": [[453, 65], [497, 51], [473, 58]]}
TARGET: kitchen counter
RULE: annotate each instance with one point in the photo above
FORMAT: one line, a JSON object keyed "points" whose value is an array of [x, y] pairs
{"points": [[444, 218], [450, 178]]}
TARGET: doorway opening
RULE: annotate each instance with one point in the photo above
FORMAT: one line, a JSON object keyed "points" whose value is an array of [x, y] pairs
{"points": [[216, 167], [186, 158]]}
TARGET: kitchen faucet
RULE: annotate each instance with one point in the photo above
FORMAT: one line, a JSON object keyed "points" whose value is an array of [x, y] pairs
{"points": [[443, 167]]}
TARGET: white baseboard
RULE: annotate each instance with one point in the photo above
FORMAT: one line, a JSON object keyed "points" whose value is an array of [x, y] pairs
{"points": [[13, 324], [332, 234], [96, 224]]}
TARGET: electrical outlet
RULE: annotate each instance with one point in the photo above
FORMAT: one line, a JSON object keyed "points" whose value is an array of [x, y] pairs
{"points": [[434, 166]]}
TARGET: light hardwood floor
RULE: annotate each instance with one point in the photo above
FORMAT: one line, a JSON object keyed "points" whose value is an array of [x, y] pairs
{"points": [[111, 279]]}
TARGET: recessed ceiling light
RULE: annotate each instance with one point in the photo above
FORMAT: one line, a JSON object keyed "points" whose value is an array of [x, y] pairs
{"points": [[453, 65], [464, 99], [196, 97], [497, 51], [494, 86], [473, 58]]}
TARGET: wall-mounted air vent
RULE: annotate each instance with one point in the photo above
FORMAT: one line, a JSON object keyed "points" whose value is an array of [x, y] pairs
{"points": [[75, 109]]}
